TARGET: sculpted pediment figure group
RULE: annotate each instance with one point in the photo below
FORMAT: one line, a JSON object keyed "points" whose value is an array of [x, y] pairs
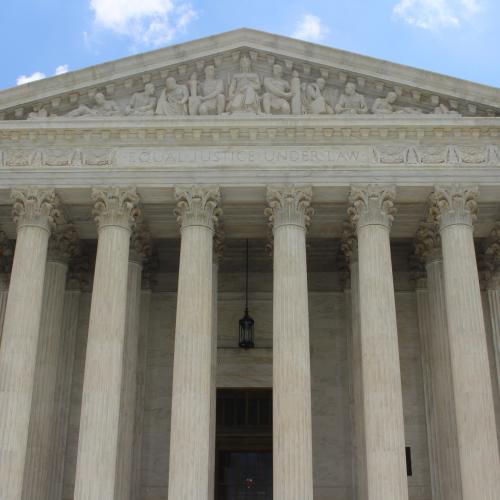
{"points": [[244, 92]]}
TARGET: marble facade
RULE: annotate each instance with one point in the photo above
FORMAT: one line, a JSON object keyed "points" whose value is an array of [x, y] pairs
{"points": [[369, 193]]}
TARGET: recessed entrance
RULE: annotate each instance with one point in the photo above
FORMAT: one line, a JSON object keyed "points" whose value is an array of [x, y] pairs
{"points": [[244, 458]]}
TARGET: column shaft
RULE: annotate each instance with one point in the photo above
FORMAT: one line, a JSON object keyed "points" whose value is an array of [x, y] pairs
{"points": [[63, 391], [381, 378], [97, 462], [189, 465], [494, 303], [37, 475], [477, 438], [292, 425], [20, 335]]}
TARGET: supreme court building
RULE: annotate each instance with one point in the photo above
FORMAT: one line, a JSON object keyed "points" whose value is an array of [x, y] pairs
{"points": [[337, 215]]}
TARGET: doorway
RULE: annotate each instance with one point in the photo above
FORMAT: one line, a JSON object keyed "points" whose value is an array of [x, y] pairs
{"points": [[244, 457]]}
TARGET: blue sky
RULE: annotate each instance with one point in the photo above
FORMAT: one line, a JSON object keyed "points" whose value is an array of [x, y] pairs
{"points": [[44, 37]]}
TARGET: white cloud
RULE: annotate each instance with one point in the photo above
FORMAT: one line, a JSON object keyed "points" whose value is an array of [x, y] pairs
{"points": [[60, 70], [38, 75], [310, 27], [436, 14], [147, 22]]}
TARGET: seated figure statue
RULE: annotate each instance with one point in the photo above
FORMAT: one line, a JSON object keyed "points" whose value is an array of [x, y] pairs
{"points": [[212, 98], [442, 109], [314, 101], [385, 106], [173, 99], [277, 97], [243, 90], [102, 107], [143, 103], [351, 102]]}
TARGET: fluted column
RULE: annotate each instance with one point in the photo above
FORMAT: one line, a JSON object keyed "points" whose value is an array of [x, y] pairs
{"points": [[455, 208], [493, 292], [189, 467], [97, 462], [437, 351], [33, 210], [140, 249], [289, 215], [349, 246], [37, 475], [372, 213], [65, 367], [6, 255]]}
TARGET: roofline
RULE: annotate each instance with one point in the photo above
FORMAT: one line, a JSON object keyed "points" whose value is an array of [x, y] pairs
{"points": [[253, 39]]}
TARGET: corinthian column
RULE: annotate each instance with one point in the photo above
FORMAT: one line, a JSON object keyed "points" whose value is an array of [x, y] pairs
{"points": [[97, 462], [42, 431], [140, 249], [189, 468], [455, 208], [33, 211], [436, 350], [493, 291], [289, 215], [372, 213]]}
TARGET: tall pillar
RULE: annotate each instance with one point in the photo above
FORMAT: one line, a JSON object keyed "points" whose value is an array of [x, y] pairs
{"points": [[493, 292], [97, 462], [437, 351], [349, 247], [197, 212], [455, 208], [33, 211], [6, 254], [372, 213], [289, 214], [140, 248], [37, 475]]}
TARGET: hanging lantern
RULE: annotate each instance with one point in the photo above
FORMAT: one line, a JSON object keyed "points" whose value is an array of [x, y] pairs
{"points": [[246, 323]]}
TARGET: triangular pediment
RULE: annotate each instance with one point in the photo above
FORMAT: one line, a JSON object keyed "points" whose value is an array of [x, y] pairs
{"points": [[304, 65]]}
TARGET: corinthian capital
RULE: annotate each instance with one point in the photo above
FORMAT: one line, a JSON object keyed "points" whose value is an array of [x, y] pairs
{"points": [[289, 205], [115, 206], [428, 243], [372, 205], [34, 207], [63, 243], [454, 204], [198, 206], [492, 255], [141, 244]]}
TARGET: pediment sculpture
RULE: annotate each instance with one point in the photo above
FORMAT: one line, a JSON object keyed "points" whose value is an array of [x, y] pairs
{"points": [[246, 91]]}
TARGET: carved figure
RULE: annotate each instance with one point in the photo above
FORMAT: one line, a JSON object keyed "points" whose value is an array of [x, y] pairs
{"points": [[194, 98], [212, 96], [442, 109], [102, 107], [173, 99], [38, 113], [278, 93], [385, 105], [296, 102], [351, 102], [243, 90], [314, 101], [143, 103]]}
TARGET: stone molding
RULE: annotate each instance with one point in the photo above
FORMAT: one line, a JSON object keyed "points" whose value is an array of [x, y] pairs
{"points": [[428, 243], [198, 206], [289, 205], [115, 206], [372, 204], [64, 243], [455, 204], [34, 206]]}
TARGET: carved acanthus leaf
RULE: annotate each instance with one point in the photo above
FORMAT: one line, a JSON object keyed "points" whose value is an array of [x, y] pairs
{"points": [[455, 204], [141, 243], [34, 207], [428, 242], [63, 243], [289, 205], [6, 253], [198, 206], [372, 204], [115, 206]]}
